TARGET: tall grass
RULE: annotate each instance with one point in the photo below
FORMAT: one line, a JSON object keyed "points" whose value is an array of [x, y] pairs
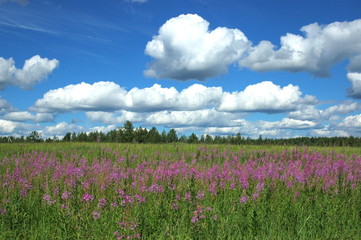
{"points": [[178, 191]]}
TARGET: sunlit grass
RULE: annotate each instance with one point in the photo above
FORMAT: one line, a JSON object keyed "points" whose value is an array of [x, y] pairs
{"points": [[178, 191]]}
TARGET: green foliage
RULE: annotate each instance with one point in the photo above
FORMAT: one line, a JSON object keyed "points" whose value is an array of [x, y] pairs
{"points": [[128, 134], [278, 213]]}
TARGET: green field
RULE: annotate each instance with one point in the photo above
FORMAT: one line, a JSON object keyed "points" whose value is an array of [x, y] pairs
{"points": [[178, 191]]}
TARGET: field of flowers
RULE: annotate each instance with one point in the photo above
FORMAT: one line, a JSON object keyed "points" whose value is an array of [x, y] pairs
{"points": [[178, 191]]}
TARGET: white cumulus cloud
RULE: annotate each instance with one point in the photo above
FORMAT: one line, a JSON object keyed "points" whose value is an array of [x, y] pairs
{"points": [[264, 97], [25, 116], [60, 129], [82, 96], [352, 122], [322, 47], [5, 106], [205, 117], [10, 127], [355, 79], [311, 113], [34, 70], [109, 96], [186, 48]]}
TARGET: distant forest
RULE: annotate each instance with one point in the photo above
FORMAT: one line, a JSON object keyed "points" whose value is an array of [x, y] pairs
{"points": [[129, 134]]}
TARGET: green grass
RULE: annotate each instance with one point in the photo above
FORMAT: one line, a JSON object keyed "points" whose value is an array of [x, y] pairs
{"points": [[277, 213]]}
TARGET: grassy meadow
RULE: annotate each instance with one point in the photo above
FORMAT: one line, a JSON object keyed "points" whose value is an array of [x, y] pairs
{"points": [[178, 191]]}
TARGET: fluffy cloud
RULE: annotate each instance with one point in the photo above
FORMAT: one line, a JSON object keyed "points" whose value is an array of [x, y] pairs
{"points": [[200, 118], [157, 98], [352, 122], [342, 109], [34, 70], [289, 123], [321, 48], [82, 96], [264, 97], [11, 127], [355, 64], [311, 113], [186, 49], [109, 96], [306, 113], [60, 129], [355, 79], [327, 132], [5, 106], [266, 129], [116, 117], [27, 116], [103, 129]]}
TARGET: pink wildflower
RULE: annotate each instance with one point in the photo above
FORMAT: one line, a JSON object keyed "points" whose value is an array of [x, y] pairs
{"points": [[96, 215], [102, 202], [65, 195], [87, 197], [194, 219], [243, 199], [46, 197], [187, 196]]}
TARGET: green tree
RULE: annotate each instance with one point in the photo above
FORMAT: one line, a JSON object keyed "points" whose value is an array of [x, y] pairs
{"points": [[163, 137], [192, 138], [140, 135], [153, 136], [172, 136], [34, 136], [128, 131], [209, 139]]}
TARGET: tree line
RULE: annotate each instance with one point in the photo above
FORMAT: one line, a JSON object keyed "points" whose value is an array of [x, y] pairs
{"points": [[129, 134]]}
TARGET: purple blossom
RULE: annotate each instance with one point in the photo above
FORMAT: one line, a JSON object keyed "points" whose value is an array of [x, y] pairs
{"points": [[46, 197], [65, 195], [194, 219], [3, 212], [102, 202], [243, 199], [96, 215], [187, 196], [87, 197]]}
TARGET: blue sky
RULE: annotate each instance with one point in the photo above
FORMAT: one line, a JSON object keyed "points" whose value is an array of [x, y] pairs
{"points": [[275, 68]]}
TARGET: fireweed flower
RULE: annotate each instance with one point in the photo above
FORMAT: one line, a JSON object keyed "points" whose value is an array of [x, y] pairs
{"points": [[243, 199], [194, 219], [200, 195], [3, 212], [63, 206], [87, 197], [56, 191], [46, 197], [102, 202], [24, 193], [65, 195], [96, 215], [255, 195], [175, 206], [187, 196]]}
